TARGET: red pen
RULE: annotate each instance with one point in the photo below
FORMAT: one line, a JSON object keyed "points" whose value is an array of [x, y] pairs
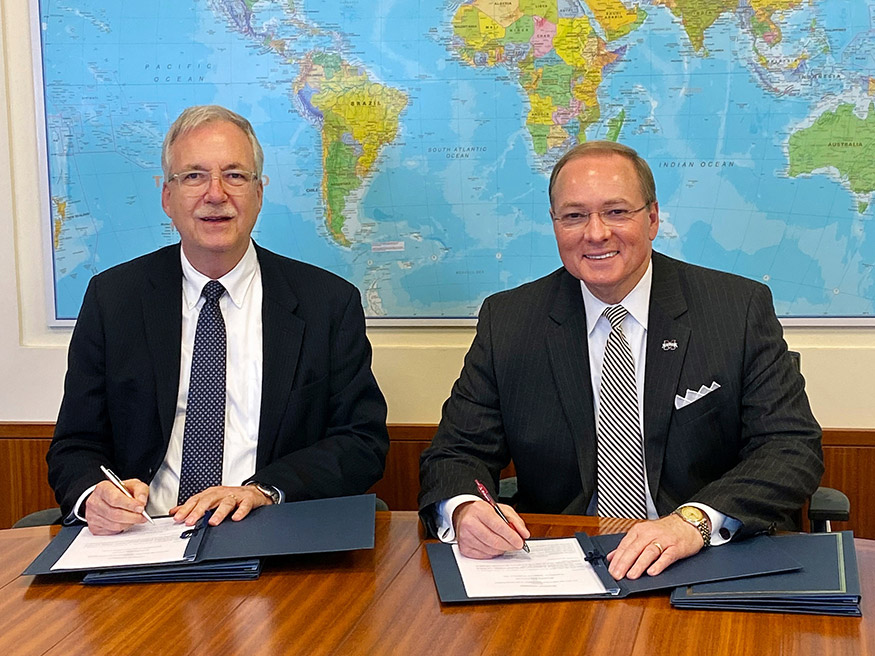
{"points": [[485, 494]]}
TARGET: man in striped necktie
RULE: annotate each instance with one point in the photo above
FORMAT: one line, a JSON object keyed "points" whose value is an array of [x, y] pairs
{"points": [[626, 384]]}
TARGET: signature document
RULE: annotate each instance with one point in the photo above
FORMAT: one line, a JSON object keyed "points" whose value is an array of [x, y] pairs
{"points": [[553, 567], [142, 544]]}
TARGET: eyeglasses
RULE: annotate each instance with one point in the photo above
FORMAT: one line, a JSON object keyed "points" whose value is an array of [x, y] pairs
{"points": [[194, 183], [613, 218]]}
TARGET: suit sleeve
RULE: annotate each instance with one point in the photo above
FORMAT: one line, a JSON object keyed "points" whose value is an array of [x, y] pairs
{"points": [[82, 439], [470, 440], [349, 454], [780, 460]]}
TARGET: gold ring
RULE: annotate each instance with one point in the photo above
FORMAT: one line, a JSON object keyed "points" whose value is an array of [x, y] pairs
{"points": [[233, 497], [658, 546]]}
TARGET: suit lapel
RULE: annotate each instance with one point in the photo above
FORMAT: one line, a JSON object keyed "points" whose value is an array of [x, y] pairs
{"points": [[162, 317], [569, 359], [282, 334], [667, 340]]}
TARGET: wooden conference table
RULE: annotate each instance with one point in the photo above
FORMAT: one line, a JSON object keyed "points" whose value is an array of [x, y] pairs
{"points": [[384, 602]]}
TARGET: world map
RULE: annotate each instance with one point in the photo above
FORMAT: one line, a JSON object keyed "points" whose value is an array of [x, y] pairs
{"points": [[408, 144]]}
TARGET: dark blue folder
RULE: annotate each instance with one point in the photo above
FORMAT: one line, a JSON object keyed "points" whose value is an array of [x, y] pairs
{"points": [[237, 569], [232, 549], [758, 555], [827, 584]]}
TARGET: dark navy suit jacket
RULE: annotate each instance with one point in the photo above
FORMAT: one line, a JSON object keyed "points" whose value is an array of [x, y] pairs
{"points": [[322, 429]]}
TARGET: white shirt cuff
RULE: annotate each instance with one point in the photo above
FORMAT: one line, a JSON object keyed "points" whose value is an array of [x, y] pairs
{"points": [[78, 511], [723, 527], [444, 519]]}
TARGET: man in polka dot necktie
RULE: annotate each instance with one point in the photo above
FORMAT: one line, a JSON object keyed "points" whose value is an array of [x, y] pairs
{"points": [[214, 374]]}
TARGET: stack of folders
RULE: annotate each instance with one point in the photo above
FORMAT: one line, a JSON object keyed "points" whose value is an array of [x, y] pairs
{"points": [[827, 584], [165, 551], [795, 573]]}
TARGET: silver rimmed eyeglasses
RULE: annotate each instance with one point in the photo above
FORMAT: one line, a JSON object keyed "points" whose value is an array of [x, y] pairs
{"points": [[612, 217], [234, 181]]}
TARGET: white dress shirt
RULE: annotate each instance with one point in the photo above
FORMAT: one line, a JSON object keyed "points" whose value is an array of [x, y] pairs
{"points": [[241, 310], [637, 304]]}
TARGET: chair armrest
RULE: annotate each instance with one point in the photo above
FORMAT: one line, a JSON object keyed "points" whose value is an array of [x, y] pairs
{"points": [[507, 489], [828, 504], [40, 518]]}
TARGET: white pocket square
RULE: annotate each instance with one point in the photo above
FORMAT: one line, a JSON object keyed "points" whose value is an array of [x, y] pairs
{"points": [[692, 396]]}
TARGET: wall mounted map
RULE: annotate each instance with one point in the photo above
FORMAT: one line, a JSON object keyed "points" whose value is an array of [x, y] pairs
{"points": [[408, 143]]}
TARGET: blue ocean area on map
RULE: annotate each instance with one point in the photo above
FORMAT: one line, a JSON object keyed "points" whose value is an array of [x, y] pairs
{"points": [[447, 140]]}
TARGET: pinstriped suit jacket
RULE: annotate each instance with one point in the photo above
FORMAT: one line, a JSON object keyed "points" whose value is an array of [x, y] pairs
{"points": [[322, 429], [751, 449]]}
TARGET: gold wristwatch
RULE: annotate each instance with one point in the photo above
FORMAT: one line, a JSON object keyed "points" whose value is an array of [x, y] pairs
{"points": [[697, 518]]}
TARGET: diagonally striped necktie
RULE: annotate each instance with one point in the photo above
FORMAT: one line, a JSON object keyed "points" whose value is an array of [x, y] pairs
{"points": [[620, 461]]}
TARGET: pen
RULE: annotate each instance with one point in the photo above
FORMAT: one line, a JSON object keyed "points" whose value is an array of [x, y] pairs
{"points": [[115, 480], [485, 494]]}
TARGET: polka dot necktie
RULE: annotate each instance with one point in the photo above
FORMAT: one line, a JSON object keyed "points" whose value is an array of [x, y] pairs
{"points": [[204, 436], [620, 458]]}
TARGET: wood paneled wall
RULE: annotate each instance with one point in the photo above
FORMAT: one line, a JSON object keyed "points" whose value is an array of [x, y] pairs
{"points": [[849, 456], [24, 484]]}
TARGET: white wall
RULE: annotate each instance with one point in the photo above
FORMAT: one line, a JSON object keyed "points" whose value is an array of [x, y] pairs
{"points": [[415, 366]]}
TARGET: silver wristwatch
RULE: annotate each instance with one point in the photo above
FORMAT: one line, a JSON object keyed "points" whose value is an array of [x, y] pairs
{"points": [[267, 490]]}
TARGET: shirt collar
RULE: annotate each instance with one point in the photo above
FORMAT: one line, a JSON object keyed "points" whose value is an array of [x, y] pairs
{"points": [[636, 302], [236, 282]]}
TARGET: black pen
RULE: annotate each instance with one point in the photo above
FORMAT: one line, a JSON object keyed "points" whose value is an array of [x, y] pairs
{"points": [[115, 480], [485, 494]]}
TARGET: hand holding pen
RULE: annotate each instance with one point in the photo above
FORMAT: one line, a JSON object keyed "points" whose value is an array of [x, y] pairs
{"points": [[488, 497], [117, 482]]}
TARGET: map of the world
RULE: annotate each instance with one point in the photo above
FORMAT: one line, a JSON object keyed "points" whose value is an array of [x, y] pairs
{"points": [[408, 143]]}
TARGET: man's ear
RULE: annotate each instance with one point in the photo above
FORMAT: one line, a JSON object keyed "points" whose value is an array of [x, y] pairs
{"points": [[653, 217], [165, 198]]}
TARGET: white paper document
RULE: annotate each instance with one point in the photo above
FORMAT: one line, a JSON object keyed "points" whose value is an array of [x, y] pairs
{"points": [[142, 544], [554, 567]]}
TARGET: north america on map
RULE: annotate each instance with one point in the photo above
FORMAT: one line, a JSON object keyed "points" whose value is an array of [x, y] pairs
{"points": [[408, 145]]}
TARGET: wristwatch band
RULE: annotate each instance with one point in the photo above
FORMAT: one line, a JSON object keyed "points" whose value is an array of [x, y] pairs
{"points": [[701, 524]]}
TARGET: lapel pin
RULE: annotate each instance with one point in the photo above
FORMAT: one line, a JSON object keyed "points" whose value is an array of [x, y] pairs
{"points": [[669, 345]]}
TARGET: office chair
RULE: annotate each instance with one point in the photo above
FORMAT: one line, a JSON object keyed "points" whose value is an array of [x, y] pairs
{"points": [[40, 518], [826, 504]]}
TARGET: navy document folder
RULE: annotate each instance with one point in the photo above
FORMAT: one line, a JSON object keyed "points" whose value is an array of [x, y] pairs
{"points": [[827, 584], [758, 555], [232, 550]]}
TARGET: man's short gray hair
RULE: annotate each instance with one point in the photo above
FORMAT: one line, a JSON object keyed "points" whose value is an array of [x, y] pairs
{"points": [[645, 175], [198, 115]]}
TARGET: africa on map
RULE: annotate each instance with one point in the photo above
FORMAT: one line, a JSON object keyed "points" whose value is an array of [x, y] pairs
{"points": [[408, 144]]}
